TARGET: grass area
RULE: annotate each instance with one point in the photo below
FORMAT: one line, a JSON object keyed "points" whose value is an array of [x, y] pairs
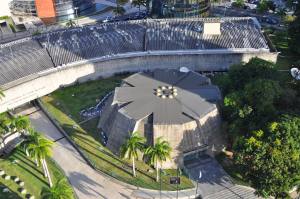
{"points": [[286, 58], [18, 164], [65, 105]]}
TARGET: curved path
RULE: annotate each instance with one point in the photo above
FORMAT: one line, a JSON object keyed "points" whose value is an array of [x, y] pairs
{"points": [[90, 184], [87, 183]]}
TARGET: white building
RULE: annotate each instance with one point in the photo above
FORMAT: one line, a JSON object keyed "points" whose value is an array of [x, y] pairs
{"points": [[4, 8]]}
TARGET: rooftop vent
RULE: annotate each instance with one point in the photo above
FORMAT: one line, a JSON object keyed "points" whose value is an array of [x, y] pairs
{"points": [[212, 28]]}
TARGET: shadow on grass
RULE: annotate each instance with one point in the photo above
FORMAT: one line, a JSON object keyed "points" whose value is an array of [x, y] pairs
{"points": [[115, 158], [34, 167], [33, 174]]}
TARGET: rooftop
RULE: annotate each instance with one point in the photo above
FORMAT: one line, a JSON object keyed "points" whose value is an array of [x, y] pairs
{"points": [[28, 56], [145, 93]]}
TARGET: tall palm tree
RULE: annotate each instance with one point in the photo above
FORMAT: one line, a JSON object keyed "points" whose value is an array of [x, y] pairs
{"points": [[31, 137], [40, 150], [158, 153], [130, 148], [60, 190]]}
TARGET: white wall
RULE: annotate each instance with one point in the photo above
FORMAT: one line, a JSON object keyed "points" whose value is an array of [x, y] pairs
{"points": [[43, 83], [4, 8]]}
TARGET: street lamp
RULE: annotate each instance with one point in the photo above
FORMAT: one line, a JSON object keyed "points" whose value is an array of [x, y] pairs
{"points": [[76, 14], [200, 176]]}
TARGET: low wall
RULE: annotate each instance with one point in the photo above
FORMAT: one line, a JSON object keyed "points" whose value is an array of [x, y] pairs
{"points": [[37, 85]]}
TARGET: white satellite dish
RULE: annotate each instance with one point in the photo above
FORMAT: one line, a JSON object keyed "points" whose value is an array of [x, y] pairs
{"points": [[184, 70], [295, 72]]}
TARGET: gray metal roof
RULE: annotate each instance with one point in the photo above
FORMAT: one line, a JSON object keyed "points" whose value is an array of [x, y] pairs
{"points": [[22, 59], [28, 56], [138, 96]]}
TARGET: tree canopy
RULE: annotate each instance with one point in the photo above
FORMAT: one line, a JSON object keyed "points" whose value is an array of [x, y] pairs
{"points": [[294, 32], [266, 144], [271, 157]]}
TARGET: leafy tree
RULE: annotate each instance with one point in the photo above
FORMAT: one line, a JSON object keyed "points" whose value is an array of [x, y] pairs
{"points": [[60, 190], [131, 147], [262, 6], [239, 3], [158, 153], [294, 32], [40, 150], [70, 23], [271, 157], [139, 3], [256, 68], [122, 2]]}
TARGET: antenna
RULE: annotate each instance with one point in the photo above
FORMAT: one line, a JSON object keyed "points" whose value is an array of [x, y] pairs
{"points": [[295, 72]]}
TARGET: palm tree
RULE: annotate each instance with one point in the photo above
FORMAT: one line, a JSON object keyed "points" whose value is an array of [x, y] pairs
{"points": [[158, 153], [70, 23], [40, 150], [21, 123], [31, 137], [139, 3], [60, 190], [130, 148]]}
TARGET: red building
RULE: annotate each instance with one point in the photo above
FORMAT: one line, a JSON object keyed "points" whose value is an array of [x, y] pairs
{"points": [[46, 10]]}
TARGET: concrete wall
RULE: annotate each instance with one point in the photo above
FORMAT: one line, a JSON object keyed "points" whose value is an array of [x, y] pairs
{"points": [[24, 90]]}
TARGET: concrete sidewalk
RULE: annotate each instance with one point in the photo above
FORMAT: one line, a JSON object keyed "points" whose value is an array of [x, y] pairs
{"points": [[87, 183]]}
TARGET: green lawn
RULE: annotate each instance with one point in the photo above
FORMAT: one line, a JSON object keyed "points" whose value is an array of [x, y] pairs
{"points": [[65, 105], [18, 164], [286, 58]]}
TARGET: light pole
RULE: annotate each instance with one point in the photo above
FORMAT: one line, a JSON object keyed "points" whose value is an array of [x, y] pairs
{"points": [[200, 176], [76, 14]]}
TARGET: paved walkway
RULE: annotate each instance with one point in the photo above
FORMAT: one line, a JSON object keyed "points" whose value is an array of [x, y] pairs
{"points": [[90, 184], [87, 183], [214, 182]]}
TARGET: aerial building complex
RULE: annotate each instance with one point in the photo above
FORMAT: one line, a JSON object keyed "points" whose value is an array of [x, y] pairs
{"points": [[178, 106], [35, 66]]}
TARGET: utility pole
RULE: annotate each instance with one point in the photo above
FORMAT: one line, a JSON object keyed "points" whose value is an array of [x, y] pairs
{"points": [[177, 186], [76, 14], [160, 183], [200, 176]]}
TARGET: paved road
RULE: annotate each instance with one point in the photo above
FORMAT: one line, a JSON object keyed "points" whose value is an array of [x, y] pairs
{"points": [[87, 183]]}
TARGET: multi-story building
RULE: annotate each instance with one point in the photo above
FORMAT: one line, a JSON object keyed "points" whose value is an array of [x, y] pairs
{"points": [[178, 8], [50, 10]]}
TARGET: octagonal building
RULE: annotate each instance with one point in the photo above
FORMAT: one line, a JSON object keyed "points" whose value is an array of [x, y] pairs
{"points": [[178, 106]]}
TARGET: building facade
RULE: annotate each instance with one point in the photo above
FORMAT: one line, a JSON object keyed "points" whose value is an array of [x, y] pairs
{"points": [[178, 8], [50, 10]]}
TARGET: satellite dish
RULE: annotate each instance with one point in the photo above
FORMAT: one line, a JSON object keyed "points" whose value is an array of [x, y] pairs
{"points": [[184, 70], [295, 72]]}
